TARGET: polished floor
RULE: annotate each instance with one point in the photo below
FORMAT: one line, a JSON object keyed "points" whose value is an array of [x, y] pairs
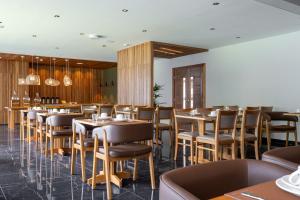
{"points": [[26, 174]]}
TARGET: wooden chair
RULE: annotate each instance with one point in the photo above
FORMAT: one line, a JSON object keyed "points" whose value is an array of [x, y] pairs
{"points": [[109, 109], [249, 131], [262, 130], [252, 108], [164, 113], [181, 137], [234, 108], [124, 136], [289, 126], [31, 124], [145, 114], [58, 127], [121, 109], [225, 133], [88, 109], [82, 144]]}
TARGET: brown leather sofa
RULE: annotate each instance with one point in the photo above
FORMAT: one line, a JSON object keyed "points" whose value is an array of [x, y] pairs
{"points": [[214, 179], [287, 157]]}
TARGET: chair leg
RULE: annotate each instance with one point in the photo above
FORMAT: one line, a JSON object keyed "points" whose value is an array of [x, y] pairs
{"points": [[176, 149], [135, 169], [41, 141], [287, 139], [196, 154], [52, 147], [82, 159], [73, 159], [268, 133], [95, 159], [233, 146], [107, 175], [256, 149], [151, 168], [156, 135], [216, 152], [192, 152], [242, 148], [171, 137], [46, 146]]}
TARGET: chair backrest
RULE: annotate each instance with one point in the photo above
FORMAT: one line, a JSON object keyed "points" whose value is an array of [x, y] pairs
{"points": [[218, 107], [251, 118], [126, 133], [226, 120], [107, 109], [145, 113], [266, 108], [236, 107], [78, 128], [179, 122], [61, 120], [252, 108], [40, 119], [280, 116], [164, 113], [121, 107], [31, 115]]}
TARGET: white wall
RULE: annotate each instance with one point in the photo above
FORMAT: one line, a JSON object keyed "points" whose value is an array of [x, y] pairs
{"points": [[163, 76], [260, 72]]}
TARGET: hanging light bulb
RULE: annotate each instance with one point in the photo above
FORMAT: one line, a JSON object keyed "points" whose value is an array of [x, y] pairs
{"points": [[49, 81], [22, 81], [33, 79], [55, 82], [67, 78]]}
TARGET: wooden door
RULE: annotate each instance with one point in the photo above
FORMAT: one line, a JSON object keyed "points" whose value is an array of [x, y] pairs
{"points": [[189, 86]]}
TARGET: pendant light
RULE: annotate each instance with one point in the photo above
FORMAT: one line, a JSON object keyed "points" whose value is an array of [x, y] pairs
{"points": [[22, 81], [33, 79], [56, 82], [50, 81], [67, 78]]}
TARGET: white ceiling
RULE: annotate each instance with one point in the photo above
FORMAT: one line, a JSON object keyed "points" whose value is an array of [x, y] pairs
{"points": [[184, 22]]}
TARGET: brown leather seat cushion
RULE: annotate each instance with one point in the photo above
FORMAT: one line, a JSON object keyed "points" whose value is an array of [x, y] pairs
{"points": [[223, 138], [127, 150], [188, 134], [248, 137], [287, 157], [282, 128], [64, 132], [88, 142]]}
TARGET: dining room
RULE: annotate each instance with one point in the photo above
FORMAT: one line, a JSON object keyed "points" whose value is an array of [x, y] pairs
{"points": [[149, 99]]}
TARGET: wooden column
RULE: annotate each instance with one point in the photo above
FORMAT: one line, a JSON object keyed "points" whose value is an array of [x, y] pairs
{"points": [[135, 75]]}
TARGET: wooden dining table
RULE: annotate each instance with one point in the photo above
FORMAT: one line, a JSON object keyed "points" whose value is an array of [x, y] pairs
{"points": [[116, 177], [267, 191]]}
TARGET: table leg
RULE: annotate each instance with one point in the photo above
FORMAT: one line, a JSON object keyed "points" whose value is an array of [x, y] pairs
{"points": [[12, 122]]}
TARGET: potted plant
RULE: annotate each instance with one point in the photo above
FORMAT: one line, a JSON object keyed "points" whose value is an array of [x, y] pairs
{"points": [[156, 89]]}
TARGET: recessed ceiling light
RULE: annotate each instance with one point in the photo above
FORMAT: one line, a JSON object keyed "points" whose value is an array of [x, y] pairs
{"points": [[126, 45], [216, 3], [95, 36], [212, 29], [81, 33], [103, 45], [56, 16], [57, 48], [79, 63], [110, 41], [144, 30], [238, 37], [34, 35], [124, 10], [2, 26]]}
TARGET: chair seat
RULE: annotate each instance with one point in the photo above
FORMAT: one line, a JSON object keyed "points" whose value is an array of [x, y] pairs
{"points": [[127, 150], [188, 134], [88, 142], [248, 137], [282, 128], [223, 138], [162, 126], [64, 132]]}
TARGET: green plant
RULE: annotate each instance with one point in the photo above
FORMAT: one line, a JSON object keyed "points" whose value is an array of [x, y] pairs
{"points": [[156, 89]]}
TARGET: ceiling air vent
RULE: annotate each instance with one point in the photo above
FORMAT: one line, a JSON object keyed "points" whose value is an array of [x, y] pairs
{"points": [[292, 6]]}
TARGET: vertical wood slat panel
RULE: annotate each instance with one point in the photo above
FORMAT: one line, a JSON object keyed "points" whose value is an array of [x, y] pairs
{"points": [[135, 75], [85, 88], [10, 71]]}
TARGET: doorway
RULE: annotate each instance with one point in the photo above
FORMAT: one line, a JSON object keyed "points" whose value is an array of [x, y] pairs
{"points": [[189, 87]]}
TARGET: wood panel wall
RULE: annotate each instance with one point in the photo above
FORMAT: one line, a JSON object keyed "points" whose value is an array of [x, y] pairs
{"points": [[85, 89], [135, 75], [10, 71]]}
